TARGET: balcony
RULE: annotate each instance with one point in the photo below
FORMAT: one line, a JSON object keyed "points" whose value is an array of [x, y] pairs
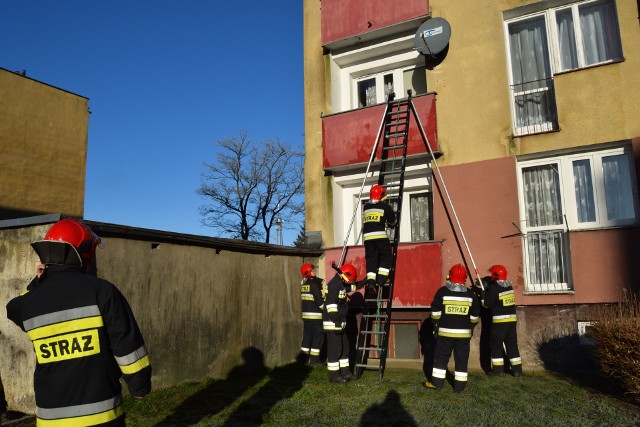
{"points": [[349, 137], [418, 267], [343, 19]]}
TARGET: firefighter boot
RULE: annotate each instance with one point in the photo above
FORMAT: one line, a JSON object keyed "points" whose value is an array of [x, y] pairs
{"points": [[498, 370], [516, 370]]}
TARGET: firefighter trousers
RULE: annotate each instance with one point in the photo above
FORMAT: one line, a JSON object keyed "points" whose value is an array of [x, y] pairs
{"points": [[337, 354], [377, 254], [504, 338], [460, 348], [312, 339]]}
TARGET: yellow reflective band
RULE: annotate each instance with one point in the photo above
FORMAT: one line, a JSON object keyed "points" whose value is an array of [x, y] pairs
{"points": [[69, 346], [307, 297], [135, 366], [87, 420], [66, 327]]}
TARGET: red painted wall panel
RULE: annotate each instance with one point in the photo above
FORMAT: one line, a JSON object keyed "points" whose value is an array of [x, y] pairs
{"points": [[346, 18], [418, 267], [348, 138]]}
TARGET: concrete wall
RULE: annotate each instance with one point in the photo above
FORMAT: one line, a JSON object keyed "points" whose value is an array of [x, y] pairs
{"points": [[198, 310], [43, 148]]}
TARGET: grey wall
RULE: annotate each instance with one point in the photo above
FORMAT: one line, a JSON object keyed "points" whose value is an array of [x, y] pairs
{"points": [[197, 309]]}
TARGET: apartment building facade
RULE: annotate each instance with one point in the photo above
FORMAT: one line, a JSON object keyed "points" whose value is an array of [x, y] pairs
{"points": [[532, 108]]}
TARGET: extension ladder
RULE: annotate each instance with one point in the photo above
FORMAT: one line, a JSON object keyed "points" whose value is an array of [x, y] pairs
{"points": [[373, 337]]}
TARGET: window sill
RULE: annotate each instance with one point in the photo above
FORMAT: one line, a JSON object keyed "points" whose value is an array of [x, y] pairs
{"points": [[602, 64], [563, 292]]}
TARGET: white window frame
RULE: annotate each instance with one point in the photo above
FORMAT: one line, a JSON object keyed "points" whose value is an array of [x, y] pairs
{"points": [[398, 84], [346, 189], [351, 65], [570, 222], [553, 50], [552, 28]]}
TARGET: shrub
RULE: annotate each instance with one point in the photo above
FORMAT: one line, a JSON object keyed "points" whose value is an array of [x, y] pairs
{"points": [[616, 332]]}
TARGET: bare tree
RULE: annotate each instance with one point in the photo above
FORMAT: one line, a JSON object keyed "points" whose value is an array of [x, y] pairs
{"points": [[251, 187]]}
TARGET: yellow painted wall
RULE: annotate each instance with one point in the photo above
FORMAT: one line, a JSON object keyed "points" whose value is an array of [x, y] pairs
{"points": [[43, 147], [594, 105], [318, 194]]}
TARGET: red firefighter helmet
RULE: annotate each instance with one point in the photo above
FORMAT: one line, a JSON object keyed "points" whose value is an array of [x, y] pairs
{"points": [[498, 272], [307, 270], [458, 274], [78, 235], [349, 273], [377, 193]]}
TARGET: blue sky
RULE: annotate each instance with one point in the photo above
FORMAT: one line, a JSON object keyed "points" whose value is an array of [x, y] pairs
{"points": [[165, 80]]}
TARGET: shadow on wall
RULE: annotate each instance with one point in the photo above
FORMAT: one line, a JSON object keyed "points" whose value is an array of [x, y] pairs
{"points": [[390, 412], [219, 394]]}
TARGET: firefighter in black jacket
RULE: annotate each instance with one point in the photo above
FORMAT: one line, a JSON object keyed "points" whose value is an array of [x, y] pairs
{"points": [[500, 299], [84, 334], [455, 311], [312, 305], [377, 216], [334, 321]]}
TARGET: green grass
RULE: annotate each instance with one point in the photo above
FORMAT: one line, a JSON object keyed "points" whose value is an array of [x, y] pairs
{"points": [[296, 395]]}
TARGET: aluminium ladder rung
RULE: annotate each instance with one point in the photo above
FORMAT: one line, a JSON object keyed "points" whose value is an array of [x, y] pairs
{"points": [[373, 332], [370, 348], [375, 316]]}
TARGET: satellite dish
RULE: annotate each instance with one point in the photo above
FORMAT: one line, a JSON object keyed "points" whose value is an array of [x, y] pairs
{"points": [[433, 36]]}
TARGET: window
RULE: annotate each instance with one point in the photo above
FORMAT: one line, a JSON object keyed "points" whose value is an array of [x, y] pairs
{"points": [[533, 100], [587, 190], [421, 224], [375, 89], [363, 74], [548, 41], [587, 33], [416, 222]]}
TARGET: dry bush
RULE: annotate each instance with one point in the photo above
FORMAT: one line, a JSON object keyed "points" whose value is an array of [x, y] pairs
{"points": [[616, 332]]}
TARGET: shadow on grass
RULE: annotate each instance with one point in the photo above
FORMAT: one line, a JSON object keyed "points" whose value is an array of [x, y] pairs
{"points": [[219, 394], [565, 356], [284, 382], [388, 413]]}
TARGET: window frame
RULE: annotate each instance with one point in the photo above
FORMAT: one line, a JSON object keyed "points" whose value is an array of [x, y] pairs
{"points": [[346, 189], [556, 53], [567, 188], [549, 17], [568, 205], [398, 84]]}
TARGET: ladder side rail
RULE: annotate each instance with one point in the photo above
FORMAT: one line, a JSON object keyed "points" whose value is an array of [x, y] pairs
{"points": [[396, 241], [425, 139]]}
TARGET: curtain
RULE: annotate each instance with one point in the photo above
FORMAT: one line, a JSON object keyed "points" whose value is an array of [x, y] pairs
{"points": [[546, 260], [546, 249], [420, 217], [531, 70], [567, 40], [583, 183], [542, 195], [617, 187], [600, 33]]}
